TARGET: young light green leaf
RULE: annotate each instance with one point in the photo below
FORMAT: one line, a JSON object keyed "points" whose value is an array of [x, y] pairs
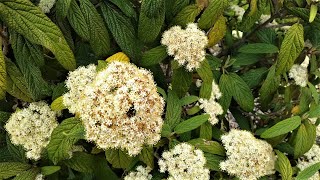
{"points": [[191, 124], [313, 12], [283, 166], [303, 140], [63, 138], [212, 147], [308, 172], [206, 131], [29, 21], [47, 170], [282, 127], [181, 81], [154, 56], [147, 157], [28, 175], [212, 13], [188, 100], [3, 74], [57, 104], [259, 48], [291, 47], [207, 77], [9, 169], [173, 113], [217, 32], [150, 23], [187, 15], [118, 158]]}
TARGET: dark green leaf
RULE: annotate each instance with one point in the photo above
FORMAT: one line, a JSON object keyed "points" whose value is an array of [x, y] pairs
{"points": [[62, 8], [259, 48], [191, 124], [213, 161], [9, 169], [212, 147], [146, 156], [181, 81], [154, 56], [254, 76], [173, 113], [47, 170], [126, 7], [30, 174], [17, 152]]}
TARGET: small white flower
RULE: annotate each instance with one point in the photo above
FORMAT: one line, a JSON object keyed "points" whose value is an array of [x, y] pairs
{"points": [[187, 46], [46, 5], [184, 162], [32, 127], [300, 73], [142, 173], [247, 157], [198, 83], [39, 177], [239, 11], [237, 34]]}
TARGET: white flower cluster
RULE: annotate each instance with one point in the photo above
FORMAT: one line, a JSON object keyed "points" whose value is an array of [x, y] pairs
{"points": [[247, 157], [46, 5], [120, 108], [184, 162], [32, 127], [187, 46], [76, 83], [300, 72], [142, 173], [310, 158], [238, 11], [39, 177], [211, 106]]}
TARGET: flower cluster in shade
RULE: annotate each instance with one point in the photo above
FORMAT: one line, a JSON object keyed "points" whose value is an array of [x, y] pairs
{"points": [[310, 158], [186, 45], [247, 157], [46, 5], [211, 106], [238, 11], [31, 127], [184, 162], [119, 106], [142, 173], [300, 73]]}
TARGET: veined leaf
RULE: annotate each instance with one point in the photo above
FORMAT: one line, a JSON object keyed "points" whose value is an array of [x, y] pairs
{"points": [[63, 138], [47, 170], [17, 152], [120, 56], [62, 8], [303, 139], [308, 172], [191, 124], [29, 59], [187, 15], [9, 169], [213, 161], [207, 77], [259, 48], [269, 87], [3, 74], [29, 21], [82, 162], [212, 13], [154, 56], [126, 7], [173, 113], [217, 32], [57, 104], [146, 156], [212, 147], [88, 23], [28, 175], [291, 47], [254, 76], [181, 81], [118, 158], [150, 26], [282, 127], [283, 166]]}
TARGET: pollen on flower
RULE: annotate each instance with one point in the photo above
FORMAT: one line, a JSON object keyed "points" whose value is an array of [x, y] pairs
{"points": [[46, 5], [122, 109], [184, 162], [142, 173], [31, 127], [310, 158], [247, 157], [211, 106], [187, 46], [76, 83], [300, 73]]}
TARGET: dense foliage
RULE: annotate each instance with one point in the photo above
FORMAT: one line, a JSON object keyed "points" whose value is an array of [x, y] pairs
{"points": [[159, 89]]}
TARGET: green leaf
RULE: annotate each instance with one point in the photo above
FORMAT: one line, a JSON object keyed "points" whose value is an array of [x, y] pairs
{"points": [[283, 166], [9, 169], [154, 56], [225, 99], [212, 13], [118, 158], [206, 131], [146, 156], [63, 138], [4, 116], [303, 139], [47, 170], [188, 100], [30, 174], [314, 92], [254, 76], [259, 48], [103, 171], [213, 161], [269, 87], [126, 7], [16, 83], [62, 8], [122, 30], [243, 121], [239, 90], [181, 81], [218, 31], [57, 104], [17, 152], [187, 15], [204, 71], [313, 12], [3, 74], [173, 113], [308, 172], [191, 124], [29, 58], [81, 162], [212, 147], [87, 22], [29, 21], [243, 59], [282, 127], [291, 47], [149, 26], [267, 35]]}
